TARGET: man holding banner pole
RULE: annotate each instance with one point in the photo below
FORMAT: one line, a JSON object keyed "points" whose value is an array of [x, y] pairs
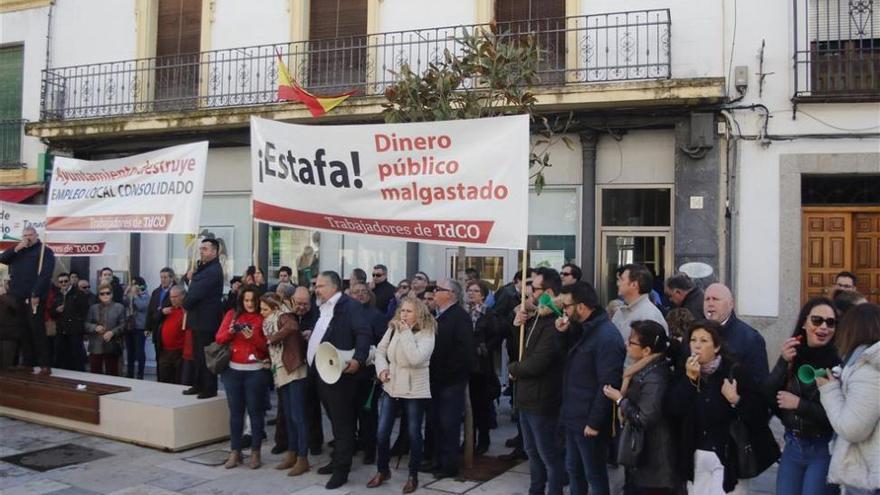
{"points": [[31, 265], [204, 306]]}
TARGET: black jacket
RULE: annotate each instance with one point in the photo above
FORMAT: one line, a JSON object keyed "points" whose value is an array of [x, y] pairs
{"points": [[452, 360], [377, 322], [747, 347], [693, 302], [72, 320], [204, 298], [809, 419], [23, 278], [703, 417], [384, 294], [154, 313], [643, 407], [538, 375], [349, 329], [485, 340], [594, 358]]}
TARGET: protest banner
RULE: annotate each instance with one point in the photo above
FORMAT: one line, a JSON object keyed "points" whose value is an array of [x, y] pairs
{"points": [[15, 217], [458, 183], [155, 192]]}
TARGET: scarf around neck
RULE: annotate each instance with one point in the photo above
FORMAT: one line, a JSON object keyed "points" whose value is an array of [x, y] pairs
{"points": [[710, 367]]}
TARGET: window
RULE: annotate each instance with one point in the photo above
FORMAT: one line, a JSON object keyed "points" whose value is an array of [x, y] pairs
{"points": [[11, 73], [843, 47], [178, 40], [544, 19], [338, 45], [297, 248]]}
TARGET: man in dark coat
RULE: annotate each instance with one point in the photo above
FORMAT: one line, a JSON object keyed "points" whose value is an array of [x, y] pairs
{"points": [[382, 288], [204, 305], [29, 285], [450, 371], [369, 389], [156, 311], [69, 312], [743, 342], [682, 292], [9, 329], [594, 358], [341, 323], [538, 389]]}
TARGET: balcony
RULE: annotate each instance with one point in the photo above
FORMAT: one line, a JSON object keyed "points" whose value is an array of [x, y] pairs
{"points": [[837, 54], [602, 59]]}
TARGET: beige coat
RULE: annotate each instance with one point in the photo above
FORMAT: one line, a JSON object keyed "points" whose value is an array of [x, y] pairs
{"points": [[406, 356]]}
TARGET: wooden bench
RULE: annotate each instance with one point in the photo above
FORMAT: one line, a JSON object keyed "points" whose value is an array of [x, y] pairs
{"points": [[54, 396]]}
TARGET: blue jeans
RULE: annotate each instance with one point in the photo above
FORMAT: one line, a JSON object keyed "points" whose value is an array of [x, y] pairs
{"points": [[415, 414], [804, 466], [539, 435], [585, 462], [245, 391], [293, 395], [447, 412]]}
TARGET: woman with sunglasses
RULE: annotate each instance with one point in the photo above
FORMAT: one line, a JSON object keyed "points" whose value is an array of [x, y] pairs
{"points": [[246, 382], [805, 458], [105, 325], [852, 403]]}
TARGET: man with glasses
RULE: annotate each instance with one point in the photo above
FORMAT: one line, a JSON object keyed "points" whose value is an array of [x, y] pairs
{"points": [[69, 312], [30, 277], [85, 287], [382, 288], [419, 283], [845, 281], [537, 377], [743, 342], [570, 274], [594, 356], [204, 305], [450, 371]]}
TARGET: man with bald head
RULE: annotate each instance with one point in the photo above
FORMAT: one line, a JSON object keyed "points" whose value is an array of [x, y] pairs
{"points": [[743, 342], [172, 338]]}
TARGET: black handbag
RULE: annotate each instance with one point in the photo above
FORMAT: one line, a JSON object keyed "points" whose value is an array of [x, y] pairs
{"points": [[753, 456], [631, 442], [217, 357]]}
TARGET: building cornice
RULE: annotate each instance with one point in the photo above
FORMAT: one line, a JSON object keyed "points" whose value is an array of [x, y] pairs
{"points": [[15, 5]]}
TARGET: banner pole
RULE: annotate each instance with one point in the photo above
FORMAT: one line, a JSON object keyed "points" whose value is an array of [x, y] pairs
{"points": [[522, 302], [40, 266]]}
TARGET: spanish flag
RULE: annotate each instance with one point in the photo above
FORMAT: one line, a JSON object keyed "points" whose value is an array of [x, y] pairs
{"points": [[289, 90]]}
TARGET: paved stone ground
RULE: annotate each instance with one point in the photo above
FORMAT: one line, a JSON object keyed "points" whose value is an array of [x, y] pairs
{"points": [[133, 470]]}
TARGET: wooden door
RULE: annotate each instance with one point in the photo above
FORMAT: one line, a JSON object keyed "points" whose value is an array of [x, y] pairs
{"points": [[826, 250], [866, 254]]}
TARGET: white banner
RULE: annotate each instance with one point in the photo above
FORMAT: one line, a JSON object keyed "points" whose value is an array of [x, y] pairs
{"points": [[15, 217], [461, 182], [156, 192]]}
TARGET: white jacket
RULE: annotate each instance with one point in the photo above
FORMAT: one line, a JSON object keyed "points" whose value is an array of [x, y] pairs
{"points": [[853, 407], [406, 356]]}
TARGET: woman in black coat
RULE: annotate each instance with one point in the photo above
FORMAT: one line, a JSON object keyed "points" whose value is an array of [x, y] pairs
{"points": [[712, 393], [806, 458], [640, 400], [484, 386]]}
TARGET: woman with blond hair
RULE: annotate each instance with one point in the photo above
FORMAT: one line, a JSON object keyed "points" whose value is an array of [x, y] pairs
{"points": [[402, 360]]}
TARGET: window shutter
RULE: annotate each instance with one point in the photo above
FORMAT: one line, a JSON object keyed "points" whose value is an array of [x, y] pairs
{"points": [[337, 19], [180, 27], [524, 10], [11, 72]]}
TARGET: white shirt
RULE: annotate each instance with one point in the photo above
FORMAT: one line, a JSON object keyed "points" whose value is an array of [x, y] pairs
{"points": [[321, 326]]}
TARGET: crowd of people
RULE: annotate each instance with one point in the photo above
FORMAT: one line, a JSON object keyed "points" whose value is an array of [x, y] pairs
{"points": [[664, 381]]}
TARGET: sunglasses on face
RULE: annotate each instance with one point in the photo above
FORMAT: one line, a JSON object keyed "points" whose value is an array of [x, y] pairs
{"points": [[64, 281], [442, 289], [818, 321], [566, 274], [104, 293], [377, 275]]}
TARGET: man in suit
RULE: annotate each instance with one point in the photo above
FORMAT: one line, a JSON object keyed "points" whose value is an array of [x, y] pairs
{"points": [[450, 369], [204, 306], [160, 305], [343, 324], [69, 312]]}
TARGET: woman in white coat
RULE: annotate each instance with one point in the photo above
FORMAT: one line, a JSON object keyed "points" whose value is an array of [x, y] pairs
{"points": [[853, 403], [402, 360]]}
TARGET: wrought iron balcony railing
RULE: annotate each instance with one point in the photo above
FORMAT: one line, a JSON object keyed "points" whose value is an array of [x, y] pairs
{"points": [[837, 50], [619, 46], [11, 132]]}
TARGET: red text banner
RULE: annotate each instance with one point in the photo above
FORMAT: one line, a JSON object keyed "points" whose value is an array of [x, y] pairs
{"points": [[456, 182], [15, 217], [155, 192]]}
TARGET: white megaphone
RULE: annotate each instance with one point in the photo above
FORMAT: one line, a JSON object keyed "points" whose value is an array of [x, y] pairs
{"points": [[331, 362]]}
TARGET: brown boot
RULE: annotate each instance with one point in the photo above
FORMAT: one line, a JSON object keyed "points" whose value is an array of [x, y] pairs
{"points": [[255, 461], [301, 466], [234, 459], [288, 462]]}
